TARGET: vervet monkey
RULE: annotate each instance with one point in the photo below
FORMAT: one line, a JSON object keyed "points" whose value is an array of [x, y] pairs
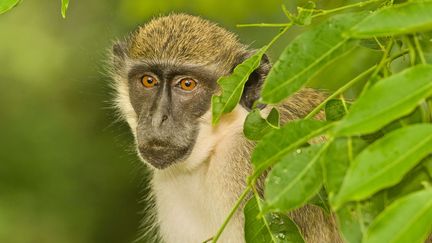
{"points": [[165, 74]]}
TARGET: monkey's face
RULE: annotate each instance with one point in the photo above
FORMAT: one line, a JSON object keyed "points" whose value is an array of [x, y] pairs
{"points": [[165, 76], [169, 101]]}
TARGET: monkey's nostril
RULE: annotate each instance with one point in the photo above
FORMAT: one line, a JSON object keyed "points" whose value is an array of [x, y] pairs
{"points": [[164, 118]]}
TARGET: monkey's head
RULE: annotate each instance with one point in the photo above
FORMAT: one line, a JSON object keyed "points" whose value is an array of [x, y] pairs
{"points": [[165, 74]]}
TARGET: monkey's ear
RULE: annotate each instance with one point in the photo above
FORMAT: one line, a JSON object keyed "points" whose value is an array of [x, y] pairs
{"points": [[118, 55], [252, 88]]}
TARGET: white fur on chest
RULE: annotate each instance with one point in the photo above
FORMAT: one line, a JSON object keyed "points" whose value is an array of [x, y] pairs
{"points": [[188, 209], [194, 197]]}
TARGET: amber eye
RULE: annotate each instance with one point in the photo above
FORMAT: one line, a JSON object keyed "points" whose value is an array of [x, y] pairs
{"points": [[187, 84], [149, 81]]}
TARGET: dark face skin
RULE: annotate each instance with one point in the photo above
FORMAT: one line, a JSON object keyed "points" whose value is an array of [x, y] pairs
{"points": [[168, 111]]}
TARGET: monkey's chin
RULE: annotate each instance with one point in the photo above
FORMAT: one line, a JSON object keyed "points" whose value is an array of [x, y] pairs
{"points": [[162, 157]]}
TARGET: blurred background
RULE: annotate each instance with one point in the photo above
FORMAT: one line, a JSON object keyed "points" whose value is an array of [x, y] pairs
{"points": [[68, 172]]}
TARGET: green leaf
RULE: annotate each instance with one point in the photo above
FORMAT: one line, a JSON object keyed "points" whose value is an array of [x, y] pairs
{"points": [[354, 218], [306, 55], [399, 19], [294, 180], [274, 118], [350, 223], [413, 181], [334, 110], [255, 127], [272, 228], [232, 86], [279, 142], [255, 229], [385, 162], [414, 117], [65, 5], [336, 160], [6, 5], [387, 100], [284, 229], [406, 220]]}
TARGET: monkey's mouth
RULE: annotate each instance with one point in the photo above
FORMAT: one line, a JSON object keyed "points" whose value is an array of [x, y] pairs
{"points": [[158, 145], [161, 154]]}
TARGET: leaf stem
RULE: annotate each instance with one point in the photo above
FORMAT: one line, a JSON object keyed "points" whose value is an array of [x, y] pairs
{"points": [[344, 103], [64, 7], [412, 52], [287, 13], [419, 50], [339, 91], [384, 59], [287, 27], [349, 84], [379, 44], [264, 25], [325, 12], [257, 198], [232, 212], [361, 220], [378, 67]]}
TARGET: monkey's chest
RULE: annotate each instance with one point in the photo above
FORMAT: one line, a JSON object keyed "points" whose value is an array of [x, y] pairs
{"points": [[191, 210]]}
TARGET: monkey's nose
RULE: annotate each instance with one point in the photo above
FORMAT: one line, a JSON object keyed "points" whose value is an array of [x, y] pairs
{"points": [[158, 120], [164, 118]]}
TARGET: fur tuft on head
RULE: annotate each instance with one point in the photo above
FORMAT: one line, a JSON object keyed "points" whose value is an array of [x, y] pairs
{"points": [[182, 38]]}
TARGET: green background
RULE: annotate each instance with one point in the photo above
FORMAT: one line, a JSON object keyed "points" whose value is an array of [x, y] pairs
{"points": [[68, 170]]}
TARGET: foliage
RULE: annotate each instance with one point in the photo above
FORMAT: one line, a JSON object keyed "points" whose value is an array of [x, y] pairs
{"points": [[255, 127], [294, 69], [68, 172], [375, 164], [233, 86], [65, 5], [6, 5], [271, 227]]}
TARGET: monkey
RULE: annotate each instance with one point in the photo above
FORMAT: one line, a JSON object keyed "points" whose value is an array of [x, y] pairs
{"points": [[164, 75]]}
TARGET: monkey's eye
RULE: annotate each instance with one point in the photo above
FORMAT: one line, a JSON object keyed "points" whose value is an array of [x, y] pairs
{"points": [[149, 81], [187, 84]]}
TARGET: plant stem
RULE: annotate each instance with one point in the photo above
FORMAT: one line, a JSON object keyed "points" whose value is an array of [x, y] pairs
{"points": [[287, 27], [360, 4], [383, 58], [412, 52], [360, 219], [379, 43], [344, 103], [208, 240], [339, 91], [257, 198], [379, 66], [398, 55], [349, 84], [264, 25], [287, 13], [419, 50], [231, 213]]}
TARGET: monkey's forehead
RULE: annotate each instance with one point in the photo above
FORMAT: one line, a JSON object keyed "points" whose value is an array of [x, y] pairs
{"points": [[185, 38]]}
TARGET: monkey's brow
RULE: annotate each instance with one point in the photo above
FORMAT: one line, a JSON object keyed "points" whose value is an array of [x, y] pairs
{"points": [[205, 72]]}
